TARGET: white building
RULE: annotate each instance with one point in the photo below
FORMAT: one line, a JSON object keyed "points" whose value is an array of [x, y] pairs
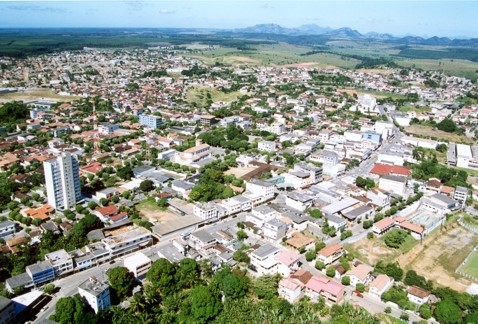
{"points": [[194, 154], [126, 239], [6, 228], [393, 184], [61, 262], [258, 191], [266, 146], [380, 285], [95, 293], [62, 180], [207, 211], [138, 264]]}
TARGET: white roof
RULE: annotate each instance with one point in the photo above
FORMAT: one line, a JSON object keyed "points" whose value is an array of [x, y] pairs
{"points": [[463, 151], [136, 260], [340, 205]]}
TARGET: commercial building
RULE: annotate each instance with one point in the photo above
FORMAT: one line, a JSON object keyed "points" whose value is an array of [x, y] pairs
{"points": [[6, 228], [7, 310], [95, 293], [150, 121], [62, 181], [41, 272], [61, 261], [138, 264], [126, 239]]}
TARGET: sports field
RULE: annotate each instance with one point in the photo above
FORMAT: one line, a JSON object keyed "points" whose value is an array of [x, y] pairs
{"points": [[471, 265]]}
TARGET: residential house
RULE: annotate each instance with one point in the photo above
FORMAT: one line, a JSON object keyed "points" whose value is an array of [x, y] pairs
{"points": [[393, 184], [360, 274], [418, 295], [330, 254], [380, 285], [318, 287], [290, 289]]}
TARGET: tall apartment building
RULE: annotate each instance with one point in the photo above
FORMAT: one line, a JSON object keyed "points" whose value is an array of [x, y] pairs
{"points": [[62, 180]]}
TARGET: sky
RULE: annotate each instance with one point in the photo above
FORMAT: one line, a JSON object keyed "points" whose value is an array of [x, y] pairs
{"points": [[406, 17]]}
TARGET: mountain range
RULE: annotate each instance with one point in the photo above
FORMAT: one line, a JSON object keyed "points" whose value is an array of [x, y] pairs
{"points": [[351, 34]]}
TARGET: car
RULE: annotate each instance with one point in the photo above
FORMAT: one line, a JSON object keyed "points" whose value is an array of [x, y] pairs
{"points": [[44, 309], [358, 293]]}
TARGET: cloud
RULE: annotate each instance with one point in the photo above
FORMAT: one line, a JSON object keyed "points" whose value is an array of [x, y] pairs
{"points": [[36, 8], [166, 11], [267, 6]]}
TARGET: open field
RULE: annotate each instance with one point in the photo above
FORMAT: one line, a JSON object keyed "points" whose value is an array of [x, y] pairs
{"points": [[470, 220], [275, 54], [440, 255], [463, 68], [46, 94], [199, 95], [376, 94], [440, 135], [418, 109], [471, 266]]}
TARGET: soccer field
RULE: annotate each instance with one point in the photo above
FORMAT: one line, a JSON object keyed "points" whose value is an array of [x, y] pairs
{"points": [[471, 266]]}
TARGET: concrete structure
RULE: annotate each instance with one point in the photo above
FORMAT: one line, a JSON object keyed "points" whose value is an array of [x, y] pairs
{"points": [[40, 272], [194, 154], [360, 274], [150, 121], [126, 239], [418, 295], [318, 287], [290, 289], [95, 293], [330, 254], [461, 195], [138, 264], [298, 200], [62, 181]]}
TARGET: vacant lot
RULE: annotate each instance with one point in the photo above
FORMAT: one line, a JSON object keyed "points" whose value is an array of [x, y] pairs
{"points": [[153, 213], [239, 172], [438, 134], [461, 68], [200, 95], [440, 255], [370, 251], [471, 266]]}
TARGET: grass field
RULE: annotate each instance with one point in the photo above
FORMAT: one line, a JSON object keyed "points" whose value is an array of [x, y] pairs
{"points": [[440, 135], [414, 108], [199, 95], [471, 266], [35, 94], [470, 220], [276, 54]]}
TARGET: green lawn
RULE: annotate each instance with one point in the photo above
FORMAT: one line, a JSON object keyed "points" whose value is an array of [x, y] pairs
{"points": [[471, 266], [199, 95], [409, 243], [148, 205], [470, 220]]}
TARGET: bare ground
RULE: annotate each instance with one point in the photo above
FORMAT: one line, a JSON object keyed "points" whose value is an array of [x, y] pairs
{"points": [[440, 255]]}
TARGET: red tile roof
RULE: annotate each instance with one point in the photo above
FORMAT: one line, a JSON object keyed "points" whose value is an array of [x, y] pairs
{"points": [[385, 169]]}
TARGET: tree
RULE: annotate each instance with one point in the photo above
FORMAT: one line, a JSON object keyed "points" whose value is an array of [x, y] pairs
{"points": [[310, 255], [92, 205], [404, 316], [205, 304], [447, 312], [319, 265], [146, 185], [345, 280], [162, 276], [241, 235], [121, 281], [241, 256], [316, 213], [395, 237], [388, 310], [346, 234], [49, 289], [414, 279], [72, 310], [367, 224], [330, 272], [266, 286], [442, 148], [233, 284], [187, 274], [360, 287], [365, 183], [425, 311], [447, 125], [163, 203], [390, 269], [370, 235]]}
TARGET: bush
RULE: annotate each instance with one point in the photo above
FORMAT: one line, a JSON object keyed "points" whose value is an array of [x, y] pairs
{"points": [[395, 238], [388, 310], [330, 272], [316, 213], [345, 280], [404, 316], [425, 311], [310, 255], [370, 235], [319, 265], [360, 287]]}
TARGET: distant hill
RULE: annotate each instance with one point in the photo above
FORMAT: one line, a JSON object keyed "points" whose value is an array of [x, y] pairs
{"points": [[351, 34]]}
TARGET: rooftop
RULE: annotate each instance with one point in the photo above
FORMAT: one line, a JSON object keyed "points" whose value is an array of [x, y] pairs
{"points": [[93, 286]]}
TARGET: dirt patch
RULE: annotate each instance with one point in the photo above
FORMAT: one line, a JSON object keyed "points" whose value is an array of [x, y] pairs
{"points": [[440, 255], [154, 213], [302, 65], [239, 172], [429, 132], [370, 251]]}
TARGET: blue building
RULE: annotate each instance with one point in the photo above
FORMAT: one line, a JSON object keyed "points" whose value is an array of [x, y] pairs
{"points": [[372, 137], [41, 272], [150, 121]]}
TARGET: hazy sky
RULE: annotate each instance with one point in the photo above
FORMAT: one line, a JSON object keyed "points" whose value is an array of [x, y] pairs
{"points": [[424, 18]]}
